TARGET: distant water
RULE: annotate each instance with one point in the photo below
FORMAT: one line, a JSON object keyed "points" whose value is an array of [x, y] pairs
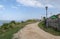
{"points": [[1, 23], [7, 21]]}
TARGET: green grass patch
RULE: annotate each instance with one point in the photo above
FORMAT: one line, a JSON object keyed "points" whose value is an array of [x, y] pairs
{"points": [[8, 29], [49, 29], [9, 34]]}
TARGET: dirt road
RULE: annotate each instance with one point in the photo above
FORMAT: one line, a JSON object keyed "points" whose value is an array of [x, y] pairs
{"points": [[32, 31]]}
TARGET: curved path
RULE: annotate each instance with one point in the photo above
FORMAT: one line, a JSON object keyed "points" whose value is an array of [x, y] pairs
{"points": [[32, 31]]}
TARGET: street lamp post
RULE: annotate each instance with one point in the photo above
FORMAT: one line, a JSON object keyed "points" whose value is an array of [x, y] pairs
{"points": [[46, 16]]}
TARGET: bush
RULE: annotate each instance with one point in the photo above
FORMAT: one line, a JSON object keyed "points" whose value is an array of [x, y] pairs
{"points": [[5, 26], [13, 22], [8, 29]]}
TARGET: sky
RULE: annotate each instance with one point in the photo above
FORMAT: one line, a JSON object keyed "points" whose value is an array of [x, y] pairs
{"points": [[27, 9]]}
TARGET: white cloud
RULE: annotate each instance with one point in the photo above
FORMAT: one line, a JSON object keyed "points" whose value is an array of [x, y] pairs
{"points": [[49, 5], [2, 7], [56, 3], [34, 3]]}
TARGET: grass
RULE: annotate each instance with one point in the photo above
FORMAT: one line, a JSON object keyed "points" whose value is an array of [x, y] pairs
{"points": [[49, 29], [8, 34]]}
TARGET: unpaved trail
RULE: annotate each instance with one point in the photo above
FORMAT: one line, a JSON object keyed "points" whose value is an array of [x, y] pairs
{"points": [[32, 31]]}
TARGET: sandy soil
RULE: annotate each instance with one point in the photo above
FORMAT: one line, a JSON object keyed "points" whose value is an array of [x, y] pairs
{"points": [[32, 31]]}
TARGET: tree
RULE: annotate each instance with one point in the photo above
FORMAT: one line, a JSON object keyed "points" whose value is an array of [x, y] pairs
{"points": [[5, 26], [13, 22]]}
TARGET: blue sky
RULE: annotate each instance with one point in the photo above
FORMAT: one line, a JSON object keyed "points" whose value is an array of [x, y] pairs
{"points": [[27, 9]]}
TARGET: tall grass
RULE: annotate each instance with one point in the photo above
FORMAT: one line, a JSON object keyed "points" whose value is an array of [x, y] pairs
{"points": [[49, 29], [8, 29]]}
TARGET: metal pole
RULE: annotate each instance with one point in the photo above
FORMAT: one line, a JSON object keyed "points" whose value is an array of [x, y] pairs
{"points": [[46, 16]]}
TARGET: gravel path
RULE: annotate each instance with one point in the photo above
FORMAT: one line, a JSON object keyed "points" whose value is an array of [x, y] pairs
{"points": [[32, 31]]}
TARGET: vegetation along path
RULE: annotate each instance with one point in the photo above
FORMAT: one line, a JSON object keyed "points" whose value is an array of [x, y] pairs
{"points": [[32, 31]]}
